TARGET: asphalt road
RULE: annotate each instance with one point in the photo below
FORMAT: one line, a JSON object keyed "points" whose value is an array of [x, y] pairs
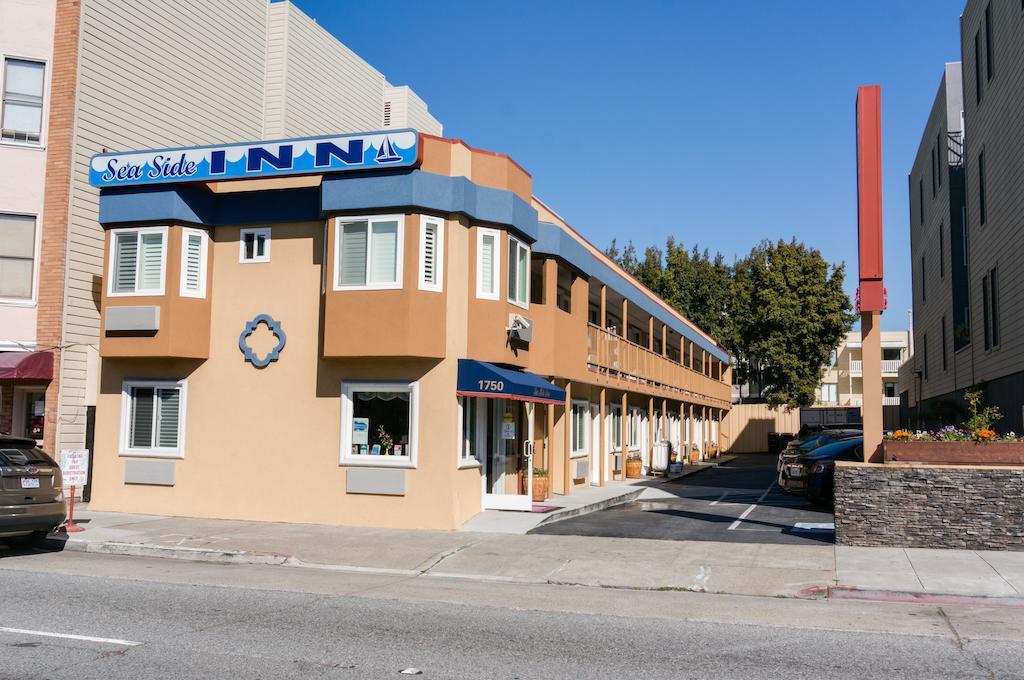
{"points": [[737, 502], [141, 619]]}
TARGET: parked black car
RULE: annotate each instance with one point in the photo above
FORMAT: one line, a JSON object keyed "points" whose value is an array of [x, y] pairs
{"points": [[820, 467], [31, 493]]}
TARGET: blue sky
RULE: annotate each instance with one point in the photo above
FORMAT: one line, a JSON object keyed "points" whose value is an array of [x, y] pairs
{"points": [[718, 123]]}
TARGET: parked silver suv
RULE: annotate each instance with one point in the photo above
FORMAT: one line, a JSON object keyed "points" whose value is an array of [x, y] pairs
{"points": [[31, 494]]}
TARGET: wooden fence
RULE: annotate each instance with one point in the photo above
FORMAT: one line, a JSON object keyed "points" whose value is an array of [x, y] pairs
{"points": [[750, 424]]}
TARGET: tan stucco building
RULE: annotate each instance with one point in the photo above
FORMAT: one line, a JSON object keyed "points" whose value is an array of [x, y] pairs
{"points": [[392, 346], [843, 381]]}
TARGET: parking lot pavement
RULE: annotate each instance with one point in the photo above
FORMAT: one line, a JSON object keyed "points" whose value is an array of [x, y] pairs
{"points": [[738, 502]]}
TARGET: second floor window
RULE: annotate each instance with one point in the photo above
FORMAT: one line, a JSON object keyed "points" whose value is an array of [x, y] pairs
{"points": [[22, 115], [829, 393], [254, 245], [138, 261], [17, 256], [518, 272], [488, 263], [368, 252], [431, 254], [193, 263]]}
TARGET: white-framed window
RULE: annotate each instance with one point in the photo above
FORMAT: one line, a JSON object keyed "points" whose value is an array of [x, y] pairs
{"points": [[379, 424], [254, 245], [138, 261], [431, 253], [518, 272], [368, 252], [21, 115], [579, 428], [615, 428], [636, 420], [488, 263], [19, 241], [473, 426], [153, 418], [194, 251], [829, 393]]}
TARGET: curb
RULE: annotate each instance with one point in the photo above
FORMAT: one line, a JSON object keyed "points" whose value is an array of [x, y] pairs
{"points": [[843, 592], [177, 553], [627, 497]]}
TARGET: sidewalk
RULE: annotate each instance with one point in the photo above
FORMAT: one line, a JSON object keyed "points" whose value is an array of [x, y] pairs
{"points": [[949, 576]]}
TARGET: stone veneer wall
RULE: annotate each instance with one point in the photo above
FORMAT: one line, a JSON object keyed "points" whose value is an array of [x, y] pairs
{"points": [[930, 506]]}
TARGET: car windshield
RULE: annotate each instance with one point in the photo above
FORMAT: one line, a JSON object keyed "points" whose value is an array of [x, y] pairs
{"points": [[23, 455]]}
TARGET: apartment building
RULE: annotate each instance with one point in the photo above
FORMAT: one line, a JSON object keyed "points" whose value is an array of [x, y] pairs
{"points": [[26, 56], [235, 70], [843, 381], [967, 242], [424, 335]]}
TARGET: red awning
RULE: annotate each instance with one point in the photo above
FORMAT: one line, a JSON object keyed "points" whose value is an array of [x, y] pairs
{"points": [[26, 365]]}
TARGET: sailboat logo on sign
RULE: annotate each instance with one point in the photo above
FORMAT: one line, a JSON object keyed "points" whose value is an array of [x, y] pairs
{"points": [[386, 153]]}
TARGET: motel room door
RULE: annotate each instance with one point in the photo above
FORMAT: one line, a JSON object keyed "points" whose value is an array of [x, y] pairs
{"points": [[508, 455]]}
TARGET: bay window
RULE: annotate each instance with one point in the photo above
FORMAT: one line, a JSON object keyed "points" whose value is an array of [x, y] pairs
{"points": [[194, 251], [518, 272], [488, 263], [138, 261], [431, 254], [379, 423], [368, 252], [153, 418]]}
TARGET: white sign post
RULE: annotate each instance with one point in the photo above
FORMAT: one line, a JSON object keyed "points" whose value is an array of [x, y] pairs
{"points": [[74, 468]]}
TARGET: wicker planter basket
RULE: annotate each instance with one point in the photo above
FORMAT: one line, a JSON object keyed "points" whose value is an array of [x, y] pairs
{"points": [[633, 468]]}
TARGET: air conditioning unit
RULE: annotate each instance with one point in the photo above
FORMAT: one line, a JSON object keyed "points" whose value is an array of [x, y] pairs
{"points": [[519, 328]]}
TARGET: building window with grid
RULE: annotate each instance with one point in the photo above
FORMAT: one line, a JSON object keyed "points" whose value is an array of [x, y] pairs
{"points": [[17, 257], [21, 118]]}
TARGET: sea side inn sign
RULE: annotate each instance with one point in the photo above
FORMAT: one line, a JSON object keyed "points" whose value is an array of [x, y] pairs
{"points": [[309, 155]]}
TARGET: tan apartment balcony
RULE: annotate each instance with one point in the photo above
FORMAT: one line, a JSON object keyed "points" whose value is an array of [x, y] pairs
{"points": [[890, 401], [637, 364], [889, 366]]}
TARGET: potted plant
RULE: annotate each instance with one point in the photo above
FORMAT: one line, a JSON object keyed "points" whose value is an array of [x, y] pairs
{"points": [[541, 486], [976, 442], [385, 440], [694, 454], [634, 466]]}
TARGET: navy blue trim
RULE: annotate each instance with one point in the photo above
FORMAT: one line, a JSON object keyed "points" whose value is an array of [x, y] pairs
{"points": [[482, 379], [415, 190], [556, 242]]}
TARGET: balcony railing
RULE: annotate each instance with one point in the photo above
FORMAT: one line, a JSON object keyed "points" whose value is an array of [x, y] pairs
{"points": [[889, 366], [631, 361], [890, 401]]}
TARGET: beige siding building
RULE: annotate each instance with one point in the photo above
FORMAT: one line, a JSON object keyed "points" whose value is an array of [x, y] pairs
{"points": [[843, 383], [153, 74]]}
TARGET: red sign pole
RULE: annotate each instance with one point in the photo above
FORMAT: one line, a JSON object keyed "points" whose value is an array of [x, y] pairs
{"points": [[71, 527]]}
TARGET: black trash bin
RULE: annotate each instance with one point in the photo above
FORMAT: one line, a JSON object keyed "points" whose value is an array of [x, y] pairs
{"points": [[774, 443]]}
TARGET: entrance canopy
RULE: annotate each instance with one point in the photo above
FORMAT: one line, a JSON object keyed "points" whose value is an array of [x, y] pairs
{"points": [[481, 379], [26, 365]]}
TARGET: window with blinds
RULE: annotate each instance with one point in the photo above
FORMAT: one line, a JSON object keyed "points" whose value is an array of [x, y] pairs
{"points": [[17, 256], [21, 116], [518, 272], [193, 263], [137, 261], [431, 254], [368, 253], [487, 263], [153, 418]]}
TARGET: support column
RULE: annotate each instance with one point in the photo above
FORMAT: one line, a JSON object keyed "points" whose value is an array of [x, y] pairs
{"points": [[602, 450], [549, 442], [604, 306], [623, 331], [690, 436], [664, 340], [625, 434], [650, 333], [650, 435], [871, 356], [684, 454], [567, 458], [704, 432]]}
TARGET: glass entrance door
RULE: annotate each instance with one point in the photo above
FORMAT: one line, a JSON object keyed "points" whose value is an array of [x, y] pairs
{"points": [[508, 469]]}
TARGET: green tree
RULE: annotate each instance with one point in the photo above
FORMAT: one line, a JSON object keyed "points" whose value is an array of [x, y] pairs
{"points": [[787, 313]]}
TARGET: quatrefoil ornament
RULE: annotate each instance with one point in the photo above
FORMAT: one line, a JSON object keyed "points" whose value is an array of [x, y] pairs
{"points": [[249, 354]]}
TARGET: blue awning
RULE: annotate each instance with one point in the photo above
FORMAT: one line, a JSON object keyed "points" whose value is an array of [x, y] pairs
{"points": [[481, 379]]}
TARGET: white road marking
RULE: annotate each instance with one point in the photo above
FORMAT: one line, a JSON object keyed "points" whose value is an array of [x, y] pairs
{"points": [[68, 636], [720, 498], [749, 510]]}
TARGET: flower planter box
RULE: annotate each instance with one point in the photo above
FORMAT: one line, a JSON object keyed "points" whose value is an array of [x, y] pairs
{"points": [[954, 453], [634, 466]]}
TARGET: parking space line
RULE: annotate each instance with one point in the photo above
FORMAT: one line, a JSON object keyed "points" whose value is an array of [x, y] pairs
{"points": [[720, 498], [69, 636], [739, 520]]}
